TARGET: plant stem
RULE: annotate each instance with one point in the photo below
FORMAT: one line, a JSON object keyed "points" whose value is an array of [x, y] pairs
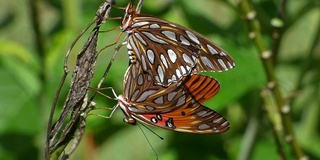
{"points": [[249, 15]]}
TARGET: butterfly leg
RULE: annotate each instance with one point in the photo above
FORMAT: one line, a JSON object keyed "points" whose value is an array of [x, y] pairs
{"points": [[98, 90], [113, 109]]}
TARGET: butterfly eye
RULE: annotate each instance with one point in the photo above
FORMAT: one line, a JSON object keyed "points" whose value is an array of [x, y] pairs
{"points": [[129, 120]]}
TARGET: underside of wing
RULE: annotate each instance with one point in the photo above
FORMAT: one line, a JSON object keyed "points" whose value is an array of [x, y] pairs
{"points": [[192, 118]]}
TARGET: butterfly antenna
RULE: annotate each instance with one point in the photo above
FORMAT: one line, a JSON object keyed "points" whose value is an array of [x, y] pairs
{"points": [[148, 140], [152, 131]]}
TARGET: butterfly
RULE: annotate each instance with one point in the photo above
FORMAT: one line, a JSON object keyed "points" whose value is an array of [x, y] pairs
{"points": [[176, 107], [168, 51]]}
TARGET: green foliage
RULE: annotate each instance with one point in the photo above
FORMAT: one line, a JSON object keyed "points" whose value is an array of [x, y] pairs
{"points": [[29, 81]]}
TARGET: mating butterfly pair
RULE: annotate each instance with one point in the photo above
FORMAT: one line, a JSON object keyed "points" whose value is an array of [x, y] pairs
{"points": [[161, 86]]}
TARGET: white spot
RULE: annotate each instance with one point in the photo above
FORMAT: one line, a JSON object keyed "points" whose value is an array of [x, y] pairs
{"points": [[134, 95], [127, 88], [226, 123], [140, 80], [181, 101], [188, 68], [154, 26], [154, 120], [207, 62], [137, 35], [139, 24], [200, 113], [159, 100], [144, 64], [212, 50], [178, 73], [230, 65], [129, 46], [145, 94], [160, 73], [193, 37], [172, 25], [183, 70], [187, 59], [218, 120], [171, 95], [222, 64], [163, 60], [150, 56], [150, 108], [184, 40], [223, 54], [203, 126], [153, 38], [171, 35], [174, 78], [172, 55], [135, 49]]}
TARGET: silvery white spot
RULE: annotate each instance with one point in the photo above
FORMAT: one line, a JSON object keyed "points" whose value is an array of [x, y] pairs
{"points": [[144, 64], [172, 55], [171, 35], [140, 80], [171, 95], [139, 24], [135, 49], [129, 46], [153, 38], [154, 26], [181, 101], [223, 54], [203, 126], [184, 41], [187, 59], [212, 50], [217, 120], [145, 95], [159, 117], [137, 35], [226, 123], [163, 60], [134, 95], [150, 108], [178, 73], [174, 78], [172, 25], [154, 120], [159, 100], [200, 113], [150, 55], [207, 62], [160, 73], [183, 70], [193, 37], [222, 64]]}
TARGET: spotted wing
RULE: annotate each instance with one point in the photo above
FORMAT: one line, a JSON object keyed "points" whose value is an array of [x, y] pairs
{"points": [[191, 117], [169, 51], [147, 97]]}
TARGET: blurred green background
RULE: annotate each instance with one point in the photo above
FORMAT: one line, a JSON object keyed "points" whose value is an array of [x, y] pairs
{"points": [[31, 67]]}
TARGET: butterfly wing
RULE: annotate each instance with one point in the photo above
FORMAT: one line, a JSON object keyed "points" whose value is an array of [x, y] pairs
{"points": [[192, 117], [147, 97], [168, 51]]}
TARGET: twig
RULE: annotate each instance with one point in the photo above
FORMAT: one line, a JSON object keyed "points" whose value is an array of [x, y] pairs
{"points": [[81, 79], [249, 16]]}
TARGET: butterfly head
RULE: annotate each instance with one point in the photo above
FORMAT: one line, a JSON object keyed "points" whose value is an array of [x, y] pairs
{"points": [[127, 19]]}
